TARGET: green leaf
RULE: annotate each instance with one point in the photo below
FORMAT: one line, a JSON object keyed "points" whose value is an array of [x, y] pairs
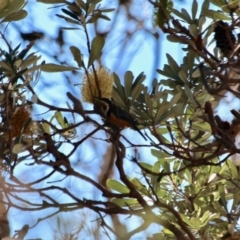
{"points": [[128, 82], [77, 55], [193, 30], [67, 19], [16, 16], [159, 154], [96, 49], [117, 186], [146, 166], [118, 86], [18, 148], [11, 7], [3, 4], [117, 98], [201, 22], [136, 91], [125, 202], [174, 100], [139, 79], [139, 186], [194, 9], [193, 222], [6, 66], [46, 128], [217, 3], [156, 167], [173, 64], [233, 170], [216, 15], [60, 119], [50, 67], [161, 114], [51, 1], [182, 15]]}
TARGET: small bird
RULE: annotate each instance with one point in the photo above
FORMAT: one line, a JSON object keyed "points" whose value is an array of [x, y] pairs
{"points": [[117, 116]]}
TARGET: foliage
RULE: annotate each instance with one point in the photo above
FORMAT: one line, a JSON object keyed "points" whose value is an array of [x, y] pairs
{"points": [[189, 185]]}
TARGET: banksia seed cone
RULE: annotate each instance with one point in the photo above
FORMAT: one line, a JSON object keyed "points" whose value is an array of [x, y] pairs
{"points": [[224, 37], [19, 120]]}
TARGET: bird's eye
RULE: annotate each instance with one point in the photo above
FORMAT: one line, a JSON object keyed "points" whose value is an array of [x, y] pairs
{"points": [[104, 107]]}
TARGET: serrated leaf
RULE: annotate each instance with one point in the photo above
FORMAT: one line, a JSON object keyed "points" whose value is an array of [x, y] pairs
{"points": [[51, 67], [77, 55], [18, 148], [16, 16], [117, 186], [96, 49]]}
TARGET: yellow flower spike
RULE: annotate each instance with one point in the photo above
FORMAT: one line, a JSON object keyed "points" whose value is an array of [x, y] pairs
{"points": [[90, 88]]}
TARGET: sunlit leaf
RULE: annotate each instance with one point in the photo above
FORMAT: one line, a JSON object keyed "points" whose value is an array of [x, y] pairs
{"points": [[18, 148], [216, 15], [125, 202], [117, 186]]}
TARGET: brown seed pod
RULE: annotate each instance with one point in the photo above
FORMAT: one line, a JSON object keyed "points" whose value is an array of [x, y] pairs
{"points": [[224, 37]]}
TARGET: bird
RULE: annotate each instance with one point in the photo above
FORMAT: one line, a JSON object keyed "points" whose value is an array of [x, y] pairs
{"points": [[116, 116]]}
